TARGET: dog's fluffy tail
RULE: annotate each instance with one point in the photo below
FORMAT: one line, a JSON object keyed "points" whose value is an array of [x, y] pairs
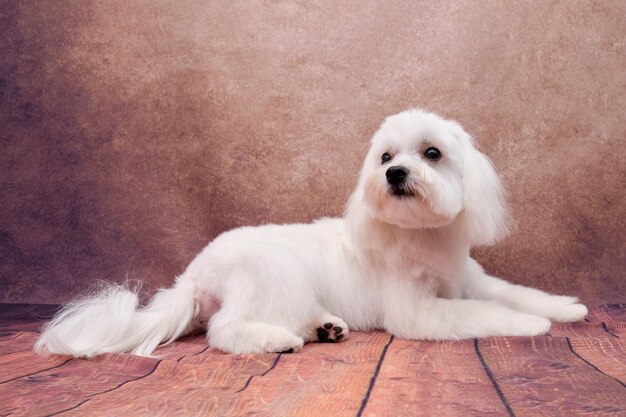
{"points": [[111, 321]]}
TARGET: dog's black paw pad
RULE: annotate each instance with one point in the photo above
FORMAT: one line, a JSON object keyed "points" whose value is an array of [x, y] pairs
{"points": [[329, 333], [322, 334]]}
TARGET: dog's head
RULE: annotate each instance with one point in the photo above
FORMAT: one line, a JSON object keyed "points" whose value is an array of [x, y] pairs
{"points": [[423, 171]]}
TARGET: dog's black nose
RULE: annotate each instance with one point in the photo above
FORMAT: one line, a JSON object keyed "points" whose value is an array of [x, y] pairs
{"points": [[396, 175]]}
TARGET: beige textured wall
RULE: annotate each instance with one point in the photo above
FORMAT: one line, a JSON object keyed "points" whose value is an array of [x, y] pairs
{"points": [[134, 132]]}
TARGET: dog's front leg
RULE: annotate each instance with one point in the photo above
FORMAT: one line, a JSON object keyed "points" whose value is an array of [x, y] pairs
{"points": [[413, 312], [478, 285]]}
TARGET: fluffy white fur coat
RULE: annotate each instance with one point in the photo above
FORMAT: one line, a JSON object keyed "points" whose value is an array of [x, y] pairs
{"points": [[398, 260]]}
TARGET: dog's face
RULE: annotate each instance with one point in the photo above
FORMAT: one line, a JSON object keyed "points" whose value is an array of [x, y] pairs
{"points": [[414, 172], [423, 171]]}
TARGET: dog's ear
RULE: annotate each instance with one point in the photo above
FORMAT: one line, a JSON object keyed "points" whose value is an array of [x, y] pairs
{"points": [[485, 216]]}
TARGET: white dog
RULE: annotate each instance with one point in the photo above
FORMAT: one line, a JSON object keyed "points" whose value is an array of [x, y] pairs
{"points": [[398, 260]]}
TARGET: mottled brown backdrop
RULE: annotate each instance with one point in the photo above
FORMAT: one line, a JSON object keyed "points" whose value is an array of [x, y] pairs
{"points": [[132, 133]]}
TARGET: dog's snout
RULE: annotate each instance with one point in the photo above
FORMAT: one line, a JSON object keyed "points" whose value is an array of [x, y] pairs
{"points": [[396, 175]]}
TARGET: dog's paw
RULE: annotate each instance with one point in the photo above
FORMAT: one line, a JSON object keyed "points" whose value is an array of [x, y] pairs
{"points": [[563, 309], [284, 344], [568, 313], [329, 333], [332, 330]]}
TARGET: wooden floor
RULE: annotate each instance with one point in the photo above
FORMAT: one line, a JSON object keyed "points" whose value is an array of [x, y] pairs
{"points": [[579, 369]]}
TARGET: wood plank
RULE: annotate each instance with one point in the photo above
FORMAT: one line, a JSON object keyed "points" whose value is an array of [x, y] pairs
{"points": [[610, 313], [325, 379], [202, 358], [580, 370], [541, 376], [616, 329], [218, 384], [58, 389], [433, 379], [190, 389], [67, 386], [606, 354], [26, 362], [182, 348], [580, 329], [611, 317], [16, 341]]}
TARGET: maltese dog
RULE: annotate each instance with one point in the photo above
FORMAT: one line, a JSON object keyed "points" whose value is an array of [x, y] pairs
{"points": [[399, 260]]}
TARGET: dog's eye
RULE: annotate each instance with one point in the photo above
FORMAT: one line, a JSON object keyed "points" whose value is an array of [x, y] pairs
{"points": [[385, 158], [432, 154]]}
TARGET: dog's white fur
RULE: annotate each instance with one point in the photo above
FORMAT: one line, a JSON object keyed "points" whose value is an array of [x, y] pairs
{"points": [[399, 263]]}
